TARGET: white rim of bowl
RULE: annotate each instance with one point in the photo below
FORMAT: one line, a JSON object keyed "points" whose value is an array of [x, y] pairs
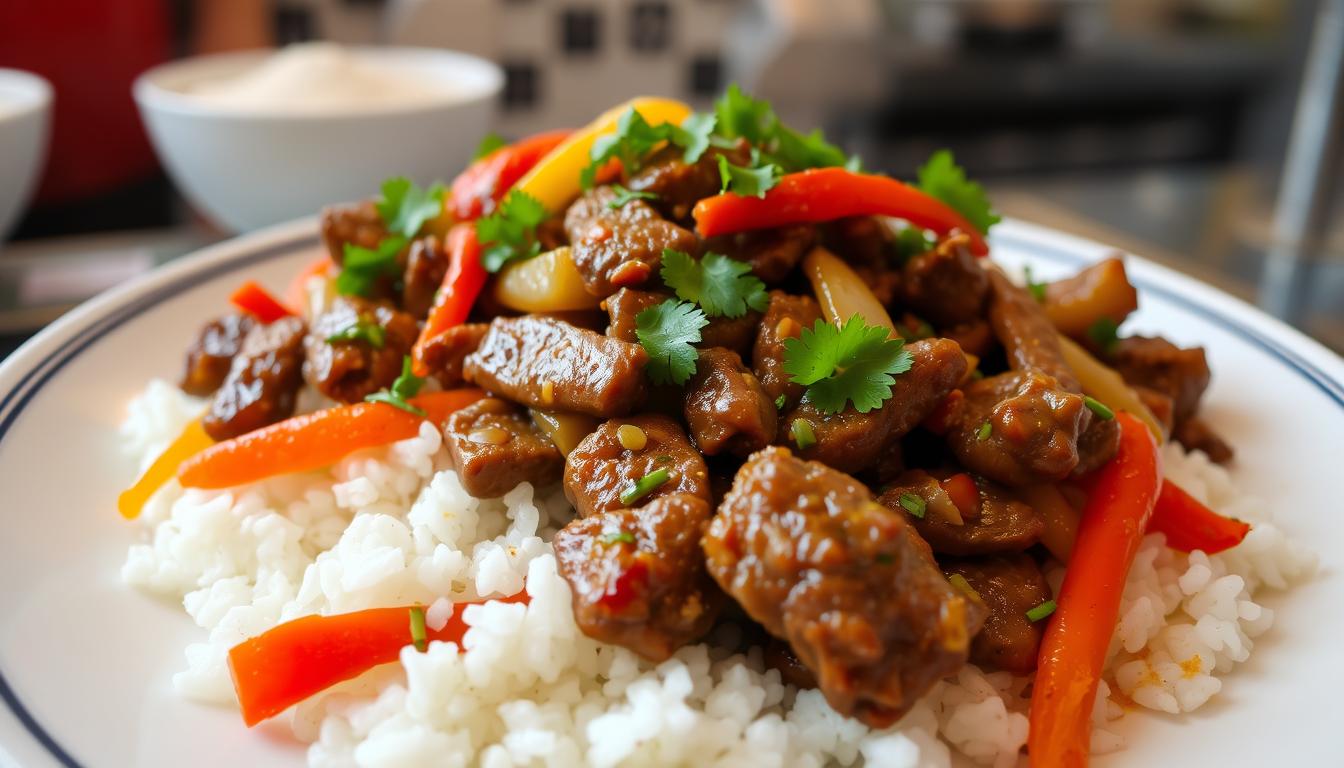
{"points": [[34, 92], [486, 81]]}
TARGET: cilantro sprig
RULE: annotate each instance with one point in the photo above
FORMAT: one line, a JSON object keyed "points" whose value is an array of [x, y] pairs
{"points": [[742, 116], [624, 196], [855, 362], [667, 332], [634, 138], [362, 329], [509, 234], [942, 178], [748, 180], [406, 386], [362, 268], [405, 207], [723, 287]]}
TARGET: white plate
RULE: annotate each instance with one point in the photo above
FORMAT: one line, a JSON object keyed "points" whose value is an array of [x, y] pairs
{"points": [[85, 662]]}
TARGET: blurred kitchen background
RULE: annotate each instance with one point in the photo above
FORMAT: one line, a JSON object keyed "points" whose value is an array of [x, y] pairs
{"points": [[1204, 134]]}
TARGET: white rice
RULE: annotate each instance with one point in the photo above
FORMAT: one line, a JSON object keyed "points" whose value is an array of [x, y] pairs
{"points": [[394, 526]]}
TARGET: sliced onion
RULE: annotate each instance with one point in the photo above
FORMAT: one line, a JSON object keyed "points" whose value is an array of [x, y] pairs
{"points": [[840, 291]]}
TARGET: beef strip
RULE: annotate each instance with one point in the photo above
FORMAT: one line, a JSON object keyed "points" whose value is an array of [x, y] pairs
{"points": [[210, 355], [426, 264], [946, 285], [1029, 340], [725, 406], [620, 248], [678, 184], [1159, 404], [975, 337], [852, 441], [735, 333], [349, 370], [772, 253], [351, 224], [1009, 585], [1195, 435], [785, 318], [601, 468], [495, 446], [1155, 363], [446, 352], [545, 363], [1033, 428], [809, 554], [996, 523], [638, 576], [1097, 444], [263, 381]]}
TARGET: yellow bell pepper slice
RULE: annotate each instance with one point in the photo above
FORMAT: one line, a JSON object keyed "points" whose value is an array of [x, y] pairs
{"points": [[555, 179], [192, 441]]}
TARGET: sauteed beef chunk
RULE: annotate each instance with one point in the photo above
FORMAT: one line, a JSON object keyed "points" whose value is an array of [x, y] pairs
{"points": [[678, 184], [1155, 363], [546, 363], [1097, 444], [353, 224], [262, 382], [852, 441], [1196, 435], [946, 285], [809, 554], [975, 337], [1009, 585], [620, 248], [1028, 338], [785, 318], [991, 521], [349, 369], [210, 355], [495, 446], [623, 306], [446, 352], [638, 575], [426, 264], [602, 467], [725, 406], [1018, 428], [772, 253], [865, 244]]}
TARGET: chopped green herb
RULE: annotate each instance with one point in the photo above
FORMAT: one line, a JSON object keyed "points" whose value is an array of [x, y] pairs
{"points": [[1099, 408], [624, 196], [803, 436], [799, 151], [489, 143], [1105, 333], [613, 537], [751, 181], [855, 362], [914, 504], [406, 207], [667, 331], [780, 401], [418, 634], [361, 330], [913, 241], [1036, 289], [983, 432], [741, 116], [406, 386], [960, 582], [693, 135], [509, 234], [1041, 611], [362, 268], [662, 458], [645, 485], [942, 178], [634, 139], [723, 287]]}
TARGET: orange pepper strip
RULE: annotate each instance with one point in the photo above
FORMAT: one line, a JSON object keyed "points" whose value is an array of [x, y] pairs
{"points": [[192, 441], [1189, 525], [1079, 633], [259, 303], [476, 191], [292, 661], [827, 194], [315, 440], [296, 295]]}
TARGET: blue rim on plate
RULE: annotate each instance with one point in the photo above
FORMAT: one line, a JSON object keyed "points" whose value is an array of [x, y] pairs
{"points": [[14, 401]]}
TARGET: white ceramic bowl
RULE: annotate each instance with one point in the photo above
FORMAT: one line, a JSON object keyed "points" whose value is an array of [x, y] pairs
{"points": [[249, 168], [25, 113]]}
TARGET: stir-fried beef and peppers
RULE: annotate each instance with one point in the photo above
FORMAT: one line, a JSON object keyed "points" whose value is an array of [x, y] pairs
{"points": [[761, 376]]}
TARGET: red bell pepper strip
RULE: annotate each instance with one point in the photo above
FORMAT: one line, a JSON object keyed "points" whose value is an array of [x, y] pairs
{"points": [[292, 661], [296, 295], [484, 183], [1075, 643], [1189, 525], [259, 303], [462, 283], [827, 194]]}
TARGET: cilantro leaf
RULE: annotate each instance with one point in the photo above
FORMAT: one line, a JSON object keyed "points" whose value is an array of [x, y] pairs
{"points": [[741, 116], [693, 135], [723, 287], [798, 151], [753, 181], [624, 196], [667, 331], [509, 234], [362, 329], [942, 178], [405, 207], [362, 268], [489, 143], [633, 139], [855, 362], [406, 386]]}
